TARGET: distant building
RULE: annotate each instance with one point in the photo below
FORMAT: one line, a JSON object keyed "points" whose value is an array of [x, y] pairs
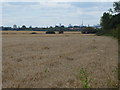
{"points": [[75, 28], [14, 26]]}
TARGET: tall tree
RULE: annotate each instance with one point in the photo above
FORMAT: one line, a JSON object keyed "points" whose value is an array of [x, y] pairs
{"points": [[111, 22], [105, 20], [116, 6]]}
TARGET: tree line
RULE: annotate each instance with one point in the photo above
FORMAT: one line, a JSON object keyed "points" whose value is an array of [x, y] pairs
{"points": [[60, 28]]}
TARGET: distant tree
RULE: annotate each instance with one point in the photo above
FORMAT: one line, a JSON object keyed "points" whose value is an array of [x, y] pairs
{"points": [[51, 27], [23, 27], [57, 28], [61, 30], [2, 27], [62, 26], [30, 28]]}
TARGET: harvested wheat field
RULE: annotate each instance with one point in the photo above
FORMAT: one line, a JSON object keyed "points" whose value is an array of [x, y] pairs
{"points": [[59, 61]]}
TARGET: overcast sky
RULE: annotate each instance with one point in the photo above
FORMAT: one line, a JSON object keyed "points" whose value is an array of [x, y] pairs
{"points": [[52, 13]]}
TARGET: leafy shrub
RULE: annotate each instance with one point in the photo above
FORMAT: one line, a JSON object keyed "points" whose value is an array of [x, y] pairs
{"points": [[100, 32], [114, 32], [50, 32], [33, 33]]}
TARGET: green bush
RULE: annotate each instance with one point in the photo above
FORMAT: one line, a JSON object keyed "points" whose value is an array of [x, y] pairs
{"points": [[100, 32], [33, 33], [88, 31], [50, 32], [114, 32]]}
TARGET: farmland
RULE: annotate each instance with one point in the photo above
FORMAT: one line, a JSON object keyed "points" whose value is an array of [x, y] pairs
{"points": [[69, 60]]}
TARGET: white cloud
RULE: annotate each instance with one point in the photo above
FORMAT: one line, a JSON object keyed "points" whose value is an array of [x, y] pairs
{"points": [[50, 13], [54, 5]]}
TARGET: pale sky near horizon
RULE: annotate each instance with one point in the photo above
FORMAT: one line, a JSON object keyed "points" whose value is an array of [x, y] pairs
{"points": [[52, 13]]}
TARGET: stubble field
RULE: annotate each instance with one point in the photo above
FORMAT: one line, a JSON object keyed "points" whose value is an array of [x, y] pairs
{"points": [[58, 61]]}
